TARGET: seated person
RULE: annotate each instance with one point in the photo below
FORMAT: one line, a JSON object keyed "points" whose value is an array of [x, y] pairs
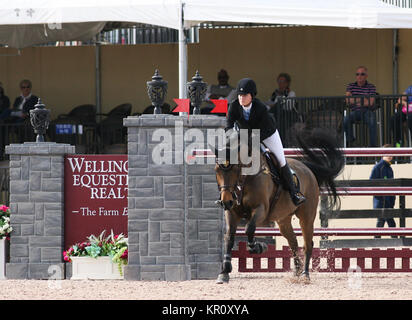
{"points": [[403, 114], [361, 108], [22, 105], [222, 90], [283, 110], [283, 80]]}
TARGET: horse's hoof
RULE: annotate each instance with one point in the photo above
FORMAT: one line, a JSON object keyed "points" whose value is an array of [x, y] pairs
{"points": [[258, 248], [298, 271], [222, 278], [264, 247], [306, 275]]}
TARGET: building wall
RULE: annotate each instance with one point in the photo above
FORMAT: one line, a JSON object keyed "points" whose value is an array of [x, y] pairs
{"points": [[320, 60], [62, 76]]}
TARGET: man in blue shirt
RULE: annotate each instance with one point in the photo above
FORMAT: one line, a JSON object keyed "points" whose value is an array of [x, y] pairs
{"points": [[383, 170], [361, 101]]}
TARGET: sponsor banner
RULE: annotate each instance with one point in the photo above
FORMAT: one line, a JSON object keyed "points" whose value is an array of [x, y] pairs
{"points": [[95, 196]]}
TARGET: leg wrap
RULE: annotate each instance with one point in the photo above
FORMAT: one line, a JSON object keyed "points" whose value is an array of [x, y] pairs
{"points": [[227, 263]]}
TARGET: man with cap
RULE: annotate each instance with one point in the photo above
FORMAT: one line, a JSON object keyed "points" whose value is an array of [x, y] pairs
{"points": [[222, 90], [250, 111]]}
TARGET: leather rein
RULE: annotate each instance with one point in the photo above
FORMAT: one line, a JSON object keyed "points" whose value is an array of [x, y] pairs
{"points": [[237, 188]]}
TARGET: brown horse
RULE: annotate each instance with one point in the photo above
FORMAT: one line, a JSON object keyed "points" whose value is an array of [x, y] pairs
{"points": [[260, 200]]}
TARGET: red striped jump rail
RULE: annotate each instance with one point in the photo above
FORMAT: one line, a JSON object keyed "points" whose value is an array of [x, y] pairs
{"points": [[373, 191], [335, 260], [332, 256], [348, 152]]}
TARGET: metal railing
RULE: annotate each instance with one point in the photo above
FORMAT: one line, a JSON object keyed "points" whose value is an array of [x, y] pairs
{"points": [[392, 126], [399, 3], [89, 138], [147, 34], [381, 112]]}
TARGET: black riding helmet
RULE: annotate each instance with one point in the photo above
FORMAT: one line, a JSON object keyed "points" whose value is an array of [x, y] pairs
{"points": [[246, 86]]}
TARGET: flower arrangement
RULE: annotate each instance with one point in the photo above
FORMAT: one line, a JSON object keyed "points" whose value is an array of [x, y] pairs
{"points": [[114, 246], [5, 227]]}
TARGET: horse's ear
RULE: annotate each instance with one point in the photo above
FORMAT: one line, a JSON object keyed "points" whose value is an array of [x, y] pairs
{"points": [[228, 155], [215, 150]]}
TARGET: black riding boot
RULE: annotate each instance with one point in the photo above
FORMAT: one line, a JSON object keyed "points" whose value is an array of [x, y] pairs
{"points": [[287, 177]]}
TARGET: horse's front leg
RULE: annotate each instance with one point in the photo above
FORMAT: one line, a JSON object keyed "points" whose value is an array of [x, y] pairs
{"points": [[258, 215], [232, 221]]}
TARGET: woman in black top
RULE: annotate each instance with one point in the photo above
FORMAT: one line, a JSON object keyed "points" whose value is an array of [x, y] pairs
{"points": [[251, 113]]}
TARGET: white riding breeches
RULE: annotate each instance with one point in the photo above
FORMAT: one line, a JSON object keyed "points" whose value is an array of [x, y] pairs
{"points": [[274, 143]]}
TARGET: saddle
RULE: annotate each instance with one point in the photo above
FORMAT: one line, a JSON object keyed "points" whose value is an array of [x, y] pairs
{"points": [[274, 168], [271, 168]]}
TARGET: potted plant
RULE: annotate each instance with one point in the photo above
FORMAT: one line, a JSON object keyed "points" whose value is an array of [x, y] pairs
{"points": [[5, 230], [99, 257]]}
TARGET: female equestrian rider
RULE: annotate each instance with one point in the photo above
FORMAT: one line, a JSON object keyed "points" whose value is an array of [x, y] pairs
{"points": [[251, 112]]}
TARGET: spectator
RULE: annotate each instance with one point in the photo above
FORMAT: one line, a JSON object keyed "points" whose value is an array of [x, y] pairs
{"points": [[4, 100], [283, 90], [361, 108], [383, 170], [283, 110], [222, 90], [402, 115], [22, 105]]}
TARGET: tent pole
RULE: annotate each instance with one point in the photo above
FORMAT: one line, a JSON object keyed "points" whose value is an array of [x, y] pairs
{"points": [[98, 76], [182, 57], [395, 66]]}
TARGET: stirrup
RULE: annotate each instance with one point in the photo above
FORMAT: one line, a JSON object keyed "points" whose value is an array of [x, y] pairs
{"points": [[298, 198]]}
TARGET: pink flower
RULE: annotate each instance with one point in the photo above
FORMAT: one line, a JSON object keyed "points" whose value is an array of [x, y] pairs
{"points": [[4, 208], [65, 256], [82, 246], [124, 255]]}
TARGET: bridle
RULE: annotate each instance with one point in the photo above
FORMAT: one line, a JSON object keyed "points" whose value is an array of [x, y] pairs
{"points": [[234, 188]]}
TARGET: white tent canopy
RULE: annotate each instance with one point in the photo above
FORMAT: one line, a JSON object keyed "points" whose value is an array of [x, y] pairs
{"points": [[17, 17], [158, 12], [336, 13]]}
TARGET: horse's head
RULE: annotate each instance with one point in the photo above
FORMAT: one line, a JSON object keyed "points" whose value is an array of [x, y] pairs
{"points": [[227, 177], [240, 157]]}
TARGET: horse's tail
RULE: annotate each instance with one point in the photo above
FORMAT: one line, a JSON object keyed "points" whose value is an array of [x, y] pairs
{"points": [[321, 153]]}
